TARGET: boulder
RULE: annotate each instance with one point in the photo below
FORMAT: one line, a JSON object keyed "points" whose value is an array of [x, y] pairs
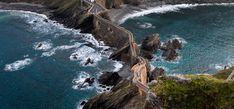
{"points": [[176, 44], [151, 43], [109, 78], [89, 61], [156, 73], [170, 54], [147, 54], [172, 44]]}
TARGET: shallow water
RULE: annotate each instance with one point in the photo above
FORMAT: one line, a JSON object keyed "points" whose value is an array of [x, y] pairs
{"points": [[37, 65], [206, 31]]}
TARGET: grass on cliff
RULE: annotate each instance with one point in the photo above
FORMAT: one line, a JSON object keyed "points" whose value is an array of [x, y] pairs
{"points": [[203, 92]]}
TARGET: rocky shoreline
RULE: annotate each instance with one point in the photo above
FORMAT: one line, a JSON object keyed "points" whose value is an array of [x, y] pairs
{"points": [[124, 94]]}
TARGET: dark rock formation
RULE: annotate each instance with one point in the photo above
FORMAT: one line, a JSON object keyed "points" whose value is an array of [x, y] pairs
{"points": [[172, 44], [147, 54], [82, 103], [122, 96], [89, 61], [151, 43], [156, 73], [109, 78], [170, 48], [170, 54]]}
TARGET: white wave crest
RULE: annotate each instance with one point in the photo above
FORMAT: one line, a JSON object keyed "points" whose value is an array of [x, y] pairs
{"points": [[84, 53], [146, 25], [118, 65], [18, 65], [42, 24], [45, 45], [62, 47], [166, 8], [79, 81], [181, 40]]}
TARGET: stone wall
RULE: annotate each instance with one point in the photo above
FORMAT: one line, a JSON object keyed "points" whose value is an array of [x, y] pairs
{"points": [[110, 33]]}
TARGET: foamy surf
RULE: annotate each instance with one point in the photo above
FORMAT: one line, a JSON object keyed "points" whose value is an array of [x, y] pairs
{"points": [[84, 53], [42, 24], [79, 80], [118, 65], [167, 8], [146, 25], [60, 48], [44, 45], [18, 65]]}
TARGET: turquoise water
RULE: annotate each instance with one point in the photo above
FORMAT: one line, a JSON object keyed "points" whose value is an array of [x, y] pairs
{"points": [[36, 64], [207, 33]]}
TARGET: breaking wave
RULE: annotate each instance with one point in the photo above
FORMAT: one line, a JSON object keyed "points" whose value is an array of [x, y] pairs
{"points": [[18, 65], [84, 53], [166, 8]]}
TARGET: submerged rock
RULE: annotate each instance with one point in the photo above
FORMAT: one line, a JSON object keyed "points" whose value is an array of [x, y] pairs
{"points": [[109, 78]]}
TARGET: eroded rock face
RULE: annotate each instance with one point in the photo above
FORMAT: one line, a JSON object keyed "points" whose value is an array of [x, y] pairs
{"points": [[172, 44], [122, 96], [170, 49], [170, 54], [156, 73], [109, 78], [151, 43]]}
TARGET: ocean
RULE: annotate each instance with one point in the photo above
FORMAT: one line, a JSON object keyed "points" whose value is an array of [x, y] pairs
{"points": [[206, 31], [41, 61]]}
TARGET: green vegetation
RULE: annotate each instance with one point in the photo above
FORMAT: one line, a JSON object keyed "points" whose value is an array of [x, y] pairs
{"points": [[224, 73], [202, 92]]}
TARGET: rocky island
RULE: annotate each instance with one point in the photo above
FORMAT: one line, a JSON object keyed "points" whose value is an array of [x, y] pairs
{"points": [[136, 85]]}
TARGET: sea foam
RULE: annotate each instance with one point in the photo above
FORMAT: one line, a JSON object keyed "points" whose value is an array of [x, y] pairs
{"points": [[84, 53], [167, 8], [18, 65], [44, 45], [62, 47]]}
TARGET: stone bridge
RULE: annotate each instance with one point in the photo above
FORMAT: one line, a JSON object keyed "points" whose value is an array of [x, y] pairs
{"points": [[122, 38]]}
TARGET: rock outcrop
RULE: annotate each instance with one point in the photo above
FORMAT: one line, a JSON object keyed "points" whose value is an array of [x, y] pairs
{"points": [[156, 73], [170, 49], [122, 96], [109, 78], [150, 45]]}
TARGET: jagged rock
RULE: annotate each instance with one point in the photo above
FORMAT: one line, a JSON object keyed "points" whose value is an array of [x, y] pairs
{"points": [[170, 54], [46, 20], [89, 61], [151, 43], [147, 54], [82, 103], [124, 95], [172, 44], [109, 78], [154, 75], [176, 44]]}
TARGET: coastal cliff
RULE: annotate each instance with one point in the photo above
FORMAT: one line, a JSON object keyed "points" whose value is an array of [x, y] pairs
{"points": [[186, 92], [172, 92]]}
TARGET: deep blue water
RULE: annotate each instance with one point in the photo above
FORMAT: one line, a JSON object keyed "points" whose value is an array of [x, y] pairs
{"points": [[41, 78], [207, 33]]}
